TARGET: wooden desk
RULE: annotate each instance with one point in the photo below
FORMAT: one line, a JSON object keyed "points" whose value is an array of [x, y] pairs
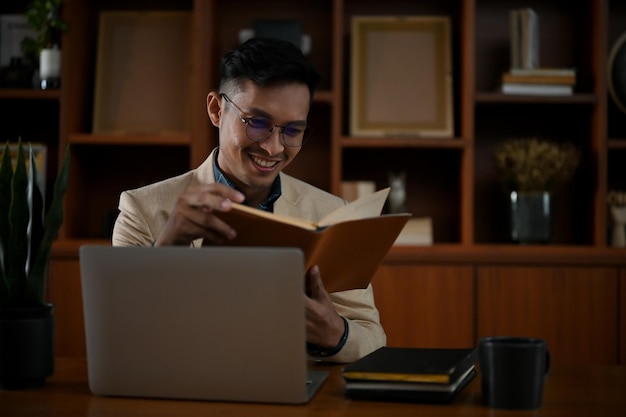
{"points": [[569, 392]]}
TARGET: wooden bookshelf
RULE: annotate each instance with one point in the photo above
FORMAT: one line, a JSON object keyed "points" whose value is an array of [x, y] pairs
{"points": [[449, 179]]}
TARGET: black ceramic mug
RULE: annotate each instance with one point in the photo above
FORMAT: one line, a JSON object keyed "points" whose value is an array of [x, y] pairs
{"points": [[512, 371]]}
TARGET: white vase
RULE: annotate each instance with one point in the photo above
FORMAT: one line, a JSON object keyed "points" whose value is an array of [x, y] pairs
{"points": [[618, 215], [50, 68]]}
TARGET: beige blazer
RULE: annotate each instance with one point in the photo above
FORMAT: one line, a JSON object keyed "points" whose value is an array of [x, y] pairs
{"points": [[144, 212]]}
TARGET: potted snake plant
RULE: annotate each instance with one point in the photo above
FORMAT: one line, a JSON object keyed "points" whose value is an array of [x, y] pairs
{"points": [[27, 231]]}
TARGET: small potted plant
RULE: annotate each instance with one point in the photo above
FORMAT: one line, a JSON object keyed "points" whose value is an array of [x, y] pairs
{"points": [[530, 169], [45, 17], [27, 231]]}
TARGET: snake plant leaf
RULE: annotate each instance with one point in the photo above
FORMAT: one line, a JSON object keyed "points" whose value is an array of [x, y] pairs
{"points": [[17, 249], [36, 209], [6, 174], [53, 221], [5, 294]]}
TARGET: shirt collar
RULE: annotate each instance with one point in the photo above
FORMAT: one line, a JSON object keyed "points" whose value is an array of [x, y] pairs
{"points": [[267, 205]]}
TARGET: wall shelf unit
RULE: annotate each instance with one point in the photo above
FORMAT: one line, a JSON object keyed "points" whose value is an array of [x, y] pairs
{"points": [[450, 179]]}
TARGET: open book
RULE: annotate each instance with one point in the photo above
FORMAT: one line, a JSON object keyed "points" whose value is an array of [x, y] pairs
{"points": [[348, 244]]}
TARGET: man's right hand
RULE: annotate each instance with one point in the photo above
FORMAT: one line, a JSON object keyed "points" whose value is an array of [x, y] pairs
{"points": [[194, 217]]}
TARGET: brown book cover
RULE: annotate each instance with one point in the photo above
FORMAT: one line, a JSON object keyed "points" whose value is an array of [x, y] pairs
{"points": [[507, 77], [348, 245]]}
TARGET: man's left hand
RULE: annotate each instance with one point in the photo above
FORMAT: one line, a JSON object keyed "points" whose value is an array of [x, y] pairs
{"points": [[324, 327]]}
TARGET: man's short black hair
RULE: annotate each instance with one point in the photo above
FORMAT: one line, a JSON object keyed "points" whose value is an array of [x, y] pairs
{"points": [[266, 62]]}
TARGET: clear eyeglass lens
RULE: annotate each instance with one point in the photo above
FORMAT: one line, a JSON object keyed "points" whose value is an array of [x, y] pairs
{"points": [[260, 128], [294, 130], [260, 123]]}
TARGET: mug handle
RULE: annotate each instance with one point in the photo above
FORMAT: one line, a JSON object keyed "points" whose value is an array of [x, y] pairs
{"points": [[547, 370]]}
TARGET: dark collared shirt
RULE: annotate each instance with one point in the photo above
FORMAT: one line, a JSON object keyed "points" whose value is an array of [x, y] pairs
{"points": [[267, 205]]}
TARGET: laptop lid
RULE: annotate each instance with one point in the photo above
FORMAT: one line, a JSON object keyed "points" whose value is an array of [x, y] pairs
{"points": [[213, 323]]}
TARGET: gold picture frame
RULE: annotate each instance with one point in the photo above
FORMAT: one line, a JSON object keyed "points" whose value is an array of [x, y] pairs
{"points": [[401, 76]]}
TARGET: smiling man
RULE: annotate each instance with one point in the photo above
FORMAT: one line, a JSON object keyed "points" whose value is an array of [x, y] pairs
{"points": [[261, 110]]}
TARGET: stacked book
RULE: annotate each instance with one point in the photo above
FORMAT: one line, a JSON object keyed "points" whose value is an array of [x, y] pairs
{"points": [[539, 81], [410, 374]]}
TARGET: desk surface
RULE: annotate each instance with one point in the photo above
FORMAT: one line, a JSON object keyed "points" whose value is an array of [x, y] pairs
{"points": [[569, 392]]}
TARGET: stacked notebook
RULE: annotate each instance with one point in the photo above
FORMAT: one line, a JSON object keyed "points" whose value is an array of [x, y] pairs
{"points": [[410, 374]]}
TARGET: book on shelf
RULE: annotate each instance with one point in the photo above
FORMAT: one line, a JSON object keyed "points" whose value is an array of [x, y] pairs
{"points": [[544, 71], [508, 77], [353, 190], [418, 374], [348, 244], [418, 231], [524, 34], [537, 89]]}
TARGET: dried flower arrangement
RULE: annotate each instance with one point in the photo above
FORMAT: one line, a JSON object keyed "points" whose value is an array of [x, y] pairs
{"points": [[533, 164]]}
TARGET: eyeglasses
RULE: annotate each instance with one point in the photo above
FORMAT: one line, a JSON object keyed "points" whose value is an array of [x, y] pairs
{"points": [[259, 128]]}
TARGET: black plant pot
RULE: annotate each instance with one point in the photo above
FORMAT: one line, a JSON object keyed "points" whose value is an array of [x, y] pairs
{"points": [[26, 346]]}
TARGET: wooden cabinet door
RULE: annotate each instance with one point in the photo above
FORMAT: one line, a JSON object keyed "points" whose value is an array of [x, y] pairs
{"points": [[426, 306], [574, 309]]}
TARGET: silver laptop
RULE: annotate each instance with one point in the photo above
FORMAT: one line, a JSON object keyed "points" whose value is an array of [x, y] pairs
{"points": [[219, 323]]}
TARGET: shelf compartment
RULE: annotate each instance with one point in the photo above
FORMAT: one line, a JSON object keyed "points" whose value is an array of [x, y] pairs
{"points": [[316, 19], [572, 202], [566, 30], [99, 173], [432, 178]]}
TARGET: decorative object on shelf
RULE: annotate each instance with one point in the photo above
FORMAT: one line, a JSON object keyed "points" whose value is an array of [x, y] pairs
{"points": [[26, 236], [287, 29], [397, 194], [617, 72], [530, 169], [16, 71], [524, 28], [44, 16], [617, 208], [414, 95]]}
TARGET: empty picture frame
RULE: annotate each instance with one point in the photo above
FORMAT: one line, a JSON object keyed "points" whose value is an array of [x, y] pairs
{"points": [[142, 73], [401, 81]]}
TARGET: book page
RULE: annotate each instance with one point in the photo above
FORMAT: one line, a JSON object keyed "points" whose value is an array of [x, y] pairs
{"points": [[295, 221], [367, 206]]}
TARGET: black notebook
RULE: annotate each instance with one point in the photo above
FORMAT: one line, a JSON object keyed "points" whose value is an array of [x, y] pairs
{"points": [[413, 374]]}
